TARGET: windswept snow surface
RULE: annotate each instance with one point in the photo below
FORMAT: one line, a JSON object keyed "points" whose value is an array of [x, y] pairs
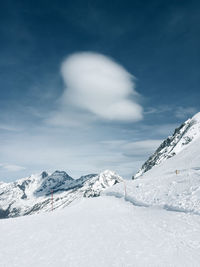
{"points": [[104, 232], [156, 224]]}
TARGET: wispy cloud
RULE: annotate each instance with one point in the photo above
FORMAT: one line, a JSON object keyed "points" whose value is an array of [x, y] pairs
{"points": [[158, 109], [141, 148], [176, 111], [134, 149], [7, 127], [185, 112], [11, 167]]}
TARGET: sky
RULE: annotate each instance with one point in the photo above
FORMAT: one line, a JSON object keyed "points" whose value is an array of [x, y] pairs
{"points": [[92, 85]]}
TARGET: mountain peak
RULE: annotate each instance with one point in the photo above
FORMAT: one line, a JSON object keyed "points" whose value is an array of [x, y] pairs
{"points": [[108, 177], [44, 174], [56, 181], [63, 174], [182, 137], [104, 180], [33, 194]]}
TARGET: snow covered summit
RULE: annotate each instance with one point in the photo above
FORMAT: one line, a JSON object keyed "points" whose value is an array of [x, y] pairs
{"points": [[155, 222], [142, 228], [183, 136], [171, 177], [33, 194]]}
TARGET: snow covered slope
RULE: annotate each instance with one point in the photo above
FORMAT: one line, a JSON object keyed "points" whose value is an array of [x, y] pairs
{"points": [[101, 232], [155, 223], [174, 184], [183, 136], [33, 194]]}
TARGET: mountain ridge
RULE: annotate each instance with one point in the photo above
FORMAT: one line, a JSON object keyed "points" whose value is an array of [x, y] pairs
{"points": [[32, 194], [186, 133]]}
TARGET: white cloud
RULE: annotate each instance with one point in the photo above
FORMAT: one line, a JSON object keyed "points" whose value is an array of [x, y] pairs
{"points": [[11, 167], [98, 85]]}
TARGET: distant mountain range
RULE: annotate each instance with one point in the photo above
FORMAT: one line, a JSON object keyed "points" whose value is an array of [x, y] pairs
{"points": [[183, 136], [34, 194], [44, 192]]}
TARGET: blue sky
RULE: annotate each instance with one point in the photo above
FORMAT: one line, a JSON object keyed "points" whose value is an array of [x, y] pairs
{"points": [[50, 118]]}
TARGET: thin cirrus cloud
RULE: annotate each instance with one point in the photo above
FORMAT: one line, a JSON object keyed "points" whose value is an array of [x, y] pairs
{"points": [[184, 112], [138, 149], [100, 87], [11, 167]]}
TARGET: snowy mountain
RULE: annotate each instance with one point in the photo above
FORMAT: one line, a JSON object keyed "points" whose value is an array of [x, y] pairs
{"points": [[155, 223], [33, 194], [172, 179], [183, 136]]}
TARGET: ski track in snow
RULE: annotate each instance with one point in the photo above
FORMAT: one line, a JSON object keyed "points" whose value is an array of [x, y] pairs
{"points": [[173, 208], [114, 230], [137, 203], [102, 232]]}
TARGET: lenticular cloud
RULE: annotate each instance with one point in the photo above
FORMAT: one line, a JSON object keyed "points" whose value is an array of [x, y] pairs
{"points": [[99, 85]]}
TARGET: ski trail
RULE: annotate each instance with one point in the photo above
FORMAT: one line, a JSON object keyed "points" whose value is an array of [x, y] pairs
{"points": [[137, 203], [127, 198]]}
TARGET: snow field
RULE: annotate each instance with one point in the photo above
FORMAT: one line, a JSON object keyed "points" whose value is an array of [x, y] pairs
{"points": [[104, 231]]}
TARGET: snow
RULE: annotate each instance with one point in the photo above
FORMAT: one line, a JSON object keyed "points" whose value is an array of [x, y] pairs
{"points": [[33, 194], [103, 231], [156, 223], [197, 117], [183, 137], [162, 187]]}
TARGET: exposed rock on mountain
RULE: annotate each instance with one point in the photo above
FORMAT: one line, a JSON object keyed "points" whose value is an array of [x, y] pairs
{"points": [[34, 194], [184, 135]]}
